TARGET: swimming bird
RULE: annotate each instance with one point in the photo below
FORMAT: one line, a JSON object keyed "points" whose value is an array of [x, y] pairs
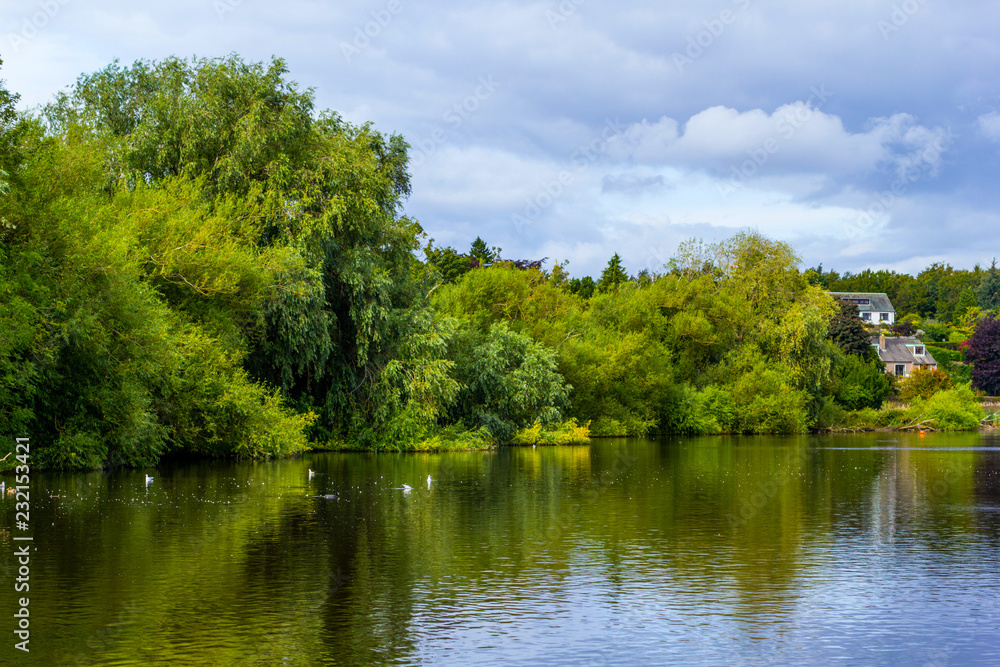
{"points": [[149, 480], [429, 480], [311, 473], [406, 488]]}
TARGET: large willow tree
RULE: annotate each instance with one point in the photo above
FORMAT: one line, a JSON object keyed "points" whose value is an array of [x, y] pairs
{"points": [[198, 260]]}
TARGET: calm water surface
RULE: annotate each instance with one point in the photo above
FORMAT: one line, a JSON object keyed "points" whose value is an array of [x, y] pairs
{"points": [[875, 550]]}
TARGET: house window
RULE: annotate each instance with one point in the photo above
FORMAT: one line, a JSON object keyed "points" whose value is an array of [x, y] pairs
{"points": [[861, 302], [919, 350], [900, 370], [866, 316], [882, 317]]}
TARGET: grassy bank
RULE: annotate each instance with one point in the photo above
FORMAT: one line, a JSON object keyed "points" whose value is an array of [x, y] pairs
{"points": [[457, 439], [955, 409]]}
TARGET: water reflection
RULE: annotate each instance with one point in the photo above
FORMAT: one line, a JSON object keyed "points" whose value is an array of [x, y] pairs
{"points": [[796, 550]]}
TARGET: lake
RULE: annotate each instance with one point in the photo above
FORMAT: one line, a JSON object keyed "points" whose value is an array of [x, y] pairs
{"points": [[875, 549]]}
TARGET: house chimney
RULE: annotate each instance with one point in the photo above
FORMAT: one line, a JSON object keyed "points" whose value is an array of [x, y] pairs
{"points": [[881, 341]]}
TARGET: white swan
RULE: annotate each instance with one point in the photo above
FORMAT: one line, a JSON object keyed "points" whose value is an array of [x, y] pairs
{"points": [[311, 473], [429, 480], [149, 480]]}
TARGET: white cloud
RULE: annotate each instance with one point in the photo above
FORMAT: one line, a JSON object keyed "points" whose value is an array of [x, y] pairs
{"points": [[741, 108], [989, 125], [795, 137]]}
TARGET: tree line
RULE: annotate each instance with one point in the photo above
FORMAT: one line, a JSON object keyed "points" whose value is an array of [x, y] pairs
{"points": [[194, 260], [939, 294]]}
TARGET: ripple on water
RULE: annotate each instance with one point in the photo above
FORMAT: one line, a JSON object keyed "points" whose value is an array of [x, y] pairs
{"points": [[848, 555]]}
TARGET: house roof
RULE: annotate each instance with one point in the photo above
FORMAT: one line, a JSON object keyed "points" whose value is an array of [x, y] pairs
{"points": [[879, 301], [899, 350]]}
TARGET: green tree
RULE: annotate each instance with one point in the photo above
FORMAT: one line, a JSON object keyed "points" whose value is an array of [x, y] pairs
{"points": [[613, 275], [447, 261], [966, 300], [760, 270], [847, 331], [762, 394], [508, 381], [923, 382], [585, 287], [558, 276], [132, 305], [688, 352], [860, 382], [10, 132], [235, 123], [482, 253], [184, 237], [416, 389], [693, 258], [988, 294], [817, 277], [324, 194]]}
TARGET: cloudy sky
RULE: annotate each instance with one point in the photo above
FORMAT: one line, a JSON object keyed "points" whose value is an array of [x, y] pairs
{"points": [[865, 133]]}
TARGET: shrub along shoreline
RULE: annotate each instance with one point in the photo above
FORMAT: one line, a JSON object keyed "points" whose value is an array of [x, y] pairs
{"points": [[950, 410]]}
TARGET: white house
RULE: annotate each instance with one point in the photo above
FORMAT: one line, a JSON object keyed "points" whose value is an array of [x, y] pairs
{"points": [[873, 307]]}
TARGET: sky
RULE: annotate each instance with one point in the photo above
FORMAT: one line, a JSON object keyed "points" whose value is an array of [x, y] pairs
{"points": [[866, 133]]}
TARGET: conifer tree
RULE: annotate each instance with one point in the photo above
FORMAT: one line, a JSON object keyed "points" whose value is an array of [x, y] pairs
{"points": [[613, 274], [988, 293]]}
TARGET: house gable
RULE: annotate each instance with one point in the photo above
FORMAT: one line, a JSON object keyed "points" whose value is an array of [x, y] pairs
{"points": [[873, 307], [902, 354]]}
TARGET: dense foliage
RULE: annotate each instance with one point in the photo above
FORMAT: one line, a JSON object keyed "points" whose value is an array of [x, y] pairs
{"points": [[737, 344], [193, 260], [988, 292], [847, 331], [983, 351], [955, 409], [860, 382], [936, 293], [923, 383]]}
